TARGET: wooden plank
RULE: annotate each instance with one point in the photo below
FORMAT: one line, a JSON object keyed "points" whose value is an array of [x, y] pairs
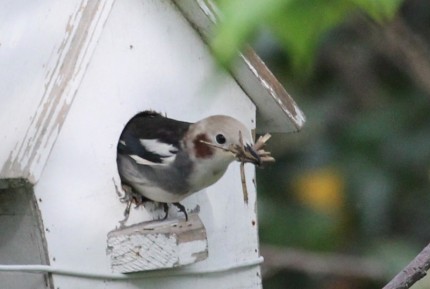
{"points": [[157, 245]]}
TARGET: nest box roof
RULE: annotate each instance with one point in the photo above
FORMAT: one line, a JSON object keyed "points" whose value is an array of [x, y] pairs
{"points": [[276, 109]]}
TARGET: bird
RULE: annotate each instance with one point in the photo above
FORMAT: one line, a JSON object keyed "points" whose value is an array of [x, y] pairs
{"points": [[166, 160]]}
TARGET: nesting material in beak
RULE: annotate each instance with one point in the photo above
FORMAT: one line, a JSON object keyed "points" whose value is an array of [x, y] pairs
{"points": [[257, 159], [254, 154]]}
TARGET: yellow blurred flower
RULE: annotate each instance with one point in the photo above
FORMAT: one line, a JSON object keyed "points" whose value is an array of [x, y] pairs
{"points": [[321, 189]]}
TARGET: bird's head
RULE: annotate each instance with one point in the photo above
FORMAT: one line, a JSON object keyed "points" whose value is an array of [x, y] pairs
{"points": [[213, 137]]}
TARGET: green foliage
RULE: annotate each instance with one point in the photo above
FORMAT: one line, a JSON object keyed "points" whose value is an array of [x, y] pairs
{"points": [[240, 19], [379, 10], [368, 122], [297, 226], [299, 25]]}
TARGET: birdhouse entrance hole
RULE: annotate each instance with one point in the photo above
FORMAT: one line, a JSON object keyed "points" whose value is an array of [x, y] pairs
{"points": [[159, 243]]}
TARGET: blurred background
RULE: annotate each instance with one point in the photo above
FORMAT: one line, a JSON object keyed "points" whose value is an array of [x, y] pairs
{"points": [[347, 204]]}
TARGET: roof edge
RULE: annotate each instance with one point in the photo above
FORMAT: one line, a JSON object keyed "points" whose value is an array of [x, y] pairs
{"points": [[276, 109]]}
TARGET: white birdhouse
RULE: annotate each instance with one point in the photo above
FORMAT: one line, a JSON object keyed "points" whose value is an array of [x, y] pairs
{"points": [[73, 73]]}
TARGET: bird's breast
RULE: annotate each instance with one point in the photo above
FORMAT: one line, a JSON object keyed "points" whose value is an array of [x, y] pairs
{"points": [[205, 176]]}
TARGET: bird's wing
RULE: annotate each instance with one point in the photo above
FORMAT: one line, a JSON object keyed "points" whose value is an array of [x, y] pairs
{"points": [[152, 139]]}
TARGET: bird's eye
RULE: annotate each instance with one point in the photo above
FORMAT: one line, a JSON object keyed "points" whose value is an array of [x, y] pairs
{"points": [[220, 139]]}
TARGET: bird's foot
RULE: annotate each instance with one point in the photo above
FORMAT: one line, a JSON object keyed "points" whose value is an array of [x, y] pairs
{"points": [[182, 209], [128, 193], [166, 211]]}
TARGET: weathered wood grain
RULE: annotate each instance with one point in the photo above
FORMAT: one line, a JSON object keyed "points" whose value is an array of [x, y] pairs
{"points": [[157, 245]]}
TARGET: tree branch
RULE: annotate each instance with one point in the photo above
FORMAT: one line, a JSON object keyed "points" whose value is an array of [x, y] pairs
{"points": [[406, 48], [277, 258], [413, 272]]}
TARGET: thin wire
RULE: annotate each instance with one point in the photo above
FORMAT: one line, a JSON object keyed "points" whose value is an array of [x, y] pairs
{"points": [[118, 276]]}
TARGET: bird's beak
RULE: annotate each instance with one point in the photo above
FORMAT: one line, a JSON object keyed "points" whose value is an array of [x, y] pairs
{"points": [[255, 156]]}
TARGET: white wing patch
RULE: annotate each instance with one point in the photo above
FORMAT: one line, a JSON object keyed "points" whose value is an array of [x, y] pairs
{"points": [[167, 152], [142, 161], [157, 147]]}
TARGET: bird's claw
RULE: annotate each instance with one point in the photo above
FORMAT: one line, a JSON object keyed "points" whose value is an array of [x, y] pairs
{"points": [[182, 209]]}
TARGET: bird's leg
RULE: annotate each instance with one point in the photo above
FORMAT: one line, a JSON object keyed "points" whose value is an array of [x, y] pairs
{"points": [[127, 198], [138, 199], [182, 209], [127, 210], [166, 210]]}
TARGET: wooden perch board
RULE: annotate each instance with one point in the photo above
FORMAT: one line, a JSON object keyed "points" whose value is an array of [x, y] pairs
{"points": [[157, 245]]}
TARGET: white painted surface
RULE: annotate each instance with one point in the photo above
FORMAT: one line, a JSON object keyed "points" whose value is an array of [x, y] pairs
{"points": [[45, 49], [147, 56], [195, 248]]}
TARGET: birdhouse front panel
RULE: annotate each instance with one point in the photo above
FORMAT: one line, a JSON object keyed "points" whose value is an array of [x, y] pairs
{"points": [[146, 56], [41, 55]]}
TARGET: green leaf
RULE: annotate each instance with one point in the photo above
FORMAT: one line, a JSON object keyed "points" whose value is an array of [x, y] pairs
{"points": [[301, 25], [240, 19], [379, 10]]}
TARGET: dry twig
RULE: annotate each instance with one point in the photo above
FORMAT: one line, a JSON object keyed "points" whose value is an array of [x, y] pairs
{"points": [[241, 149], [413, 272]]}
